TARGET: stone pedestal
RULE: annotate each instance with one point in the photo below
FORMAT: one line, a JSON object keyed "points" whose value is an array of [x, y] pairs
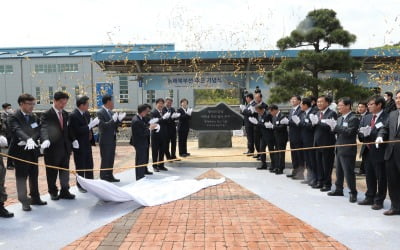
{"points": [[215, 139]]}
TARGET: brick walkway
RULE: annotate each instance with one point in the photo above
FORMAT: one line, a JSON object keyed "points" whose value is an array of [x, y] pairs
{"points": [[226, 216]]}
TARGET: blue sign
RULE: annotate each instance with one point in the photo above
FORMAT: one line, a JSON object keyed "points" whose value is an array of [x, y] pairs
{"points": [[102, 89]]}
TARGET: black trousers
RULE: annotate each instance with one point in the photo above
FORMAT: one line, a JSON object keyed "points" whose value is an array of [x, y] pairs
{"points": [[52, 174], [84, 160], [27, 172], [345, 165], [393, 178], [107, 153], [376, 179], [141, 157], [257, 138], [364, 158], [279, 158], [297, 156], [267, 142], [3, 194], [157, 150], [171, 140], [182, 137], [250, 138], [324, 160], [310, 159]]}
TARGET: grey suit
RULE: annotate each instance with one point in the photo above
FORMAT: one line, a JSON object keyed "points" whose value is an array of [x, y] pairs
{"points": [[346, 130], [107, 141]]}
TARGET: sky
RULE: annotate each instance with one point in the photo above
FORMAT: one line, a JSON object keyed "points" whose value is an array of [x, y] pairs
{"points": [[189, 24]]}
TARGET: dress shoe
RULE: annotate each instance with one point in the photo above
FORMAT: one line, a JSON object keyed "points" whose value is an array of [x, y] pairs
{"points": [[312, 183], [54, 197], [317, 186], [255, 156], [10, 168], [377, 206], [278, 171], [113, 179], [325, 189], [183, 155], [271, 169], [305, 182], [163, 168], [298, 177], [187, 154], [259, 158], [392, 212], [248, 152], [353, 198], [38, 202], [147, 172], [290, 175], [366, 202], [82, 190], [156, 169], [26, 207], [263, 167], [67, 196], [4, 213], [336, 193]]}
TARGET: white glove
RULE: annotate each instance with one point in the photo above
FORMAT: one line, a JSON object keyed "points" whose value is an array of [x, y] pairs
{"points": [[284, 121], [121, 116], [166, 115], [253, 120], [115, 117], [366, 131], [189, 111], [252, 109], [295, 119], [157, 129], [332, 123], [242, 107], [313, 119], [153, 120], [75, 144], [378, 140], [93, 122], [21, 143], [175, 115], [45, 144], [30, 144], [3, 141], [268, 125]]}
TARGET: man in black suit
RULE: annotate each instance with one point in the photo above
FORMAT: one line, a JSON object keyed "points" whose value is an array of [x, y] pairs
{"points": [[7, 112], [249, 111], [158, 135], [171, 129], [108, 128], [4, 213], [295, 139], [141, 139], [376, 179], [346, 130], [280, 123], [307, 140], [391, 130], [56, 143], [362, 110], [257, 132], [80, 124], [183, 127], [25, 129], [390, 103], [324, 136]]}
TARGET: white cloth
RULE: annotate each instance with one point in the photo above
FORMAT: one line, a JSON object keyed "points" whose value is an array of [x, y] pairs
{"points": [[147, 192]]}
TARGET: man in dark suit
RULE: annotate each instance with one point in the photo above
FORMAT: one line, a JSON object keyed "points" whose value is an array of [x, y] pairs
{"points": [[108, 128], [307, 140], [56, 143], [7, 112], [183, 127], [390, 103], [391, 130], [249, 111], [141, 139], [324, 136], [257, 132], [80, 124], [280, 123], [158, 135], [362, 110], [4, 213], [346, 130], [171, 129], [375, 157], [25, 129], [295, 139]]}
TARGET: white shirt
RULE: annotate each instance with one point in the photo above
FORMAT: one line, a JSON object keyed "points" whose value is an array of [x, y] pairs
{"points": [[56, 110], [345, 115], [308, 111], [377, 115]]}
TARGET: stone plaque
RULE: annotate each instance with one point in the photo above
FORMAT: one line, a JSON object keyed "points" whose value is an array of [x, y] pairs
{"points": [[219, 117]]}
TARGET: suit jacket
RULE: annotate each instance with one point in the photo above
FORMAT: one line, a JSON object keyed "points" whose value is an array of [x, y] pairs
{"points": [[140, 132], [323, 135], [247, 113], [378, 153], [280, 130], [390, 132], [60, 139], [171, 125], [306, 129], [267, 133], [183, 120], [294, 129], [4, 124], [363, 147], [390, 106], [78, 126], [22, 131], [163, 125], [107, 127], [346, 130]]}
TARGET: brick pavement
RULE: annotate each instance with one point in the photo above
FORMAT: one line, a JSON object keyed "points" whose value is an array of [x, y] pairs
{"points": [[226, 216]]}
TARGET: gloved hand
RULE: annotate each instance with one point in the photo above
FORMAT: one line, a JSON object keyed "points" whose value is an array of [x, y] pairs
{"points": [[93, 122], [252, 109], [153, 126], [378, 140], [45, 144], [253, 120], [242, 107], [365, 131], [21, 143], [284, 121], [332, 123], [153, 120], [166, 115], [268, 125], [30, 144], [75, 144], [189, 111], [175, 115], [115, 117], [296, 119], [157, 128], [3, 141], [121, 116], [314, 119]]}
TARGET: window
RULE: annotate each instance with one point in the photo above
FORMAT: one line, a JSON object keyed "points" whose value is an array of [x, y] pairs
{"points": [[123, 89], [37, 94], [151, 96], [67, 67], [171, 93], [51, 68], [6, 69], [51, 95]]}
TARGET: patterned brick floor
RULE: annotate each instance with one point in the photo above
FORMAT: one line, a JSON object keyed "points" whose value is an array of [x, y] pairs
{"points": [[226, 216]]}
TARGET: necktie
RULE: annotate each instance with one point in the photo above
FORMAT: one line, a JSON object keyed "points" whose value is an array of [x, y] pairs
{"points": [[321, 114], [27, 118], [60, 119], [373, 121]]}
